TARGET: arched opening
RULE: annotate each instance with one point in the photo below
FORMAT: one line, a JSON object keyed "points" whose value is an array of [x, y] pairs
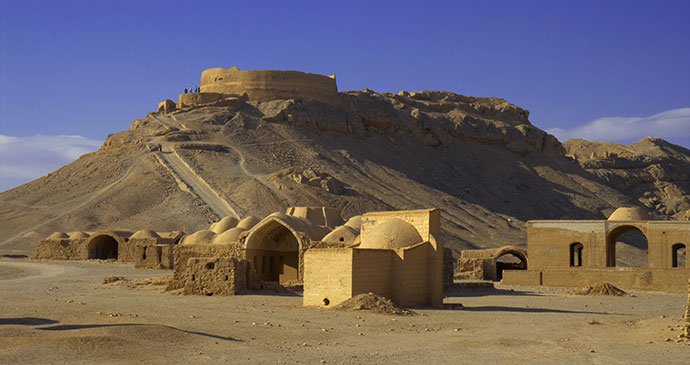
{"points": [[103, 247], [509, 261], [279, 248], [626, 246], [678, 258], [576, 254]]}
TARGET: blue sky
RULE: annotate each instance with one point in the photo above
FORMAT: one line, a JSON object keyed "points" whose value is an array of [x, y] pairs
{"points": [[582, 68]]}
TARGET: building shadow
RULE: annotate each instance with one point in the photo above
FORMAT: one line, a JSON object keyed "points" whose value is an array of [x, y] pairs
{"points": [[494, 308], [483, 292], [27, 321], [69, 327]]}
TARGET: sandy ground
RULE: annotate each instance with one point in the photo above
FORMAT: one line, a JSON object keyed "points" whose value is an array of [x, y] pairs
{"points": [[60, 312]]}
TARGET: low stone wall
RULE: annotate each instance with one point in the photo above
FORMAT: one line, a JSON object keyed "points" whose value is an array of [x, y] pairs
{"points": [[642, 278], [182, 254], [215, 276]]}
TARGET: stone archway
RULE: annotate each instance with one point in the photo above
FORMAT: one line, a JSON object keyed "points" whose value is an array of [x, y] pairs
{"points": [[103, 247], [274, 249], [628, 240], [509, 258]]}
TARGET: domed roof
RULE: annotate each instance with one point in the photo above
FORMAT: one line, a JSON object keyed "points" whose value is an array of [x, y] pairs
{"points": [[354, 222], [145, 233], [630, 214], [203, 237], [392, 234], [248, 222], [343, 234], [58, 236], [224, 224], [231, 235], [78, 235]]}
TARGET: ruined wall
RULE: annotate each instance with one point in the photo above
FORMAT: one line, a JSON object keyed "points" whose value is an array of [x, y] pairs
{"points": [[192, 99], [182, 254], [215, 276], [62, 249], [476, 269], [264, 85], [152, 255], [327, 275]]}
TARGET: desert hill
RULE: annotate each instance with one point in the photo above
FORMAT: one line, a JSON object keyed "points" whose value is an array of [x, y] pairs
{"points": [[478, 159]]}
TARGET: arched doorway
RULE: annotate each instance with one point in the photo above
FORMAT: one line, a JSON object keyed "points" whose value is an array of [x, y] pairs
{"points": [[576, 254], [509, 260], [626, 246], [274, 248], [678, 255], [103, 247]]}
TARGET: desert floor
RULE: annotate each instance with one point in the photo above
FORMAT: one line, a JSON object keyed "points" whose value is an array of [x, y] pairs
{"points": [[61, 312]]}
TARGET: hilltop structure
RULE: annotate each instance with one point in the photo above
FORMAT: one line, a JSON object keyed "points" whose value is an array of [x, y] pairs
{"points": [[218, 84], [579, 253]]}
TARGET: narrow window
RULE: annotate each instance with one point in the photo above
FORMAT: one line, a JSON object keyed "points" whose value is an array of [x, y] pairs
{"points": [[678, 255], [576, 254]]}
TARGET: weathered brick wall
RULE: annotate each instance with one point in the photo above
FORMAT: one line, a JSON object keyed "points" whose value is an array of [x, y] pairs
{"points": [[182, 254], [64, 249], [327, 275], [215, 276]]}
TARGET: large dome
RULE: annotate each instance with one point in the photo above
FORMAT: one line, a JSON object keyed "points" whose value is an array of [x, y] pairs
{"points": [[630, 214], [392, 234]]}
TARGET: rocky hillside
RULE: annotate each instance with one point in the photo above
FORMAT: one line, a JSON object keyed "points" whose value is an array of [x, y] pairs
{"points": [[652, 172], [478, 159]]}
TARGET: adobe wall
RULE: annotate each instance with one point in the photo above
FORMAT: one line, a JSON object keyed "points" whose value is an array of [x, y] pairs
{"points": [[372, 272], [327, 275], [215, 276], [265, 85], [548, 242], [63, 249], [182, 254], [411, 273], [152, 255], [640, 278], [687, 315], [192, 99]]}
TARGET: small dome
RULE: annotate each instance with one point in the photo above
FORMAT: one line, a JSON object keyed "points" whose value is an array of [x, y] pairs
{"points": [[224, 224], [630, 214], [145, 233], [198, 238], [58, 236], [354, 222], [76, 235], [231, 235], [343, 235], [248, 222], [392, 234]]}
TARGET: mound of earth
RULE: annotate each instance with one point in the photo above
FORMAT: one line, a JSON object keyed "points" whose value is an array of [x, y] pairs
{"points": [[600, 289], [479, 160], [373, 302]]}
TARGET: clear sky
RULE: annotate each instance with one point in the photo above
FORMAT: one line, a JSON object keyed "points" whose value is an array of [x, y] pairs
{"points": [[601, 70]]}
